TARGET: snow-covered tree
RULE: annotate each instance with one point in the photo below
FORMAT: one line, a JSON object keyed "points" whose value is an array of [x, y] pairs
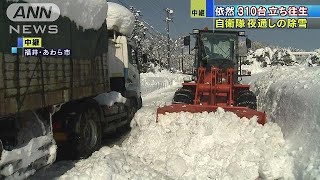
{"points": [[151, 44], [283, 57], [314, 60]]}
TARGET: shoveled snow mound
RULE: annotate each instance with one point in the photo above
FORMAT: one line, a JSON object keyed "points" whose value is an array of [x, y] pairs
{"points": [[154, 81], [120, 19], [290, 96], [88, 14], [111, 163], [108, 99], [209, 146]]}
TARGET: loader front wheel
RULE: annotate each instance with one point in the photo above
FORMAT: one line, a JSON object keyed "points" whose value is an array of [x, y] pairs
{"points": [[248, 99], [183, 96]]}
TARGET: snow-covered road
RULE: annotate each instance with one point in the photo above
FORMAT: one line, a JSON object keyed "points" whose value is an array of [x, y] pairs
{"points": [[185, 146]]}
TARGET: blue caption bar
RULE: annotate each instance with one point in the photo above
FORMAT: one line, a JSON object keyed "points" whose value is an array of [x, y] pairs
{"points": [[20, 42], [210, 8], [279, 11]]}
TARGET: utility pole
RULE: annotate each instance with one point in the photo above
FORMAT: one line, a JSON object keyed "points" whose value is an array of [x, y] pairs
{"points": [[168, 19], [182, 58]]}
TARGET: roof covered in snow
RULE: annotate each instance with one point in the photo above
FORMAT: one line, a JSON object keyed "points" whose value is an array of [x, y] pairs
{"points": [[120, 19], [89, 14]]}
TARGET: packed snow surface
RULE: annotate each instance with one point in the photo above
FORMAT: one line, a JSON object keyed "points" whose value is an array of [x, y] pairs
{"points": [[87, 14], [120, 19], [108, 99], [290, 97]]}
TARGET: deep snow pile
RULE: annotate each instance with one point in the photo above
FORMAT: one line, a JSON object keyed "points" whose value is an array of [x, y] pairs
{"points": [[154, 81], [191, 146], [120, 19], [290, 96], [88, 14], [209, 146]]}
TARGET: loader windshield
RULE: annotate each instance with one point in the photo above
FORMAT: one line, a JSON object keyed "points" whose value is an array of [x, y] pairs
{"points": [[218, 46]]}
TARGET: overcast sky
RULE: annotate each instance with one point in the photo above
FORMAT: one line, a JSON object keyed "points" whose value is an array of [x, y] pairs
{"points": [[153, 13]]}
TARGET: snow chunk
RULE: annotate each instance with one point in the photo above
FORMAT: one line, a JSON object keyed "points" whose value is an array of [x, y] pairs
{"points": [[108, 99], [120, 19], [87, 14]]}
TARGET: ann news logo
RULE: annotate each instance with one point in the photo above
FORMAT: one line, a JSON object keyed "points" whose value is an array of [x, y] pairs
{"points": [[33, 12]]}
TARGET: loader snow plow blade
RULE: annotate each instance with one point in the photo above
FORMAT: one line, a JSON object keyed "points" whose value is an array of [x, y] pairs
{"points": [[239, 111]]}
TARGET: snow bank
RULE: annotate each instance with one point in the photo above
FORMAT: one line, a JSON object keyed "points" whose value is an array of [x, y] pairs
{"points": [[87, 14], [290, 96], [120, 19], [108, 99], [154, 81], [209, 146], [111, 163]]}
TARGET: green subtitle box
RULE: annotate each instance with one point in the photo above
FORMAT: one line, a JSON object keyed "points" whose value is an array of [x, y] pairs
{"points": [[198, 8]]}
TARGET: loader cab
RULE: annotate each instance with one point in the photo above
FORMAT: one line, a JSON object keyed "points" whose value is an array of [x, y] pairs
{"points": [[218, 48]]}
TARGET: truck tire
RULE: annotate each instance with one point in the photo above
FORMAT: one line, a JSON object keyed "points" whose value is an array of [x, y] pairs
{"points": [[88, 132], [133, 108], [1, 149], [140, 99], [132, 111]]}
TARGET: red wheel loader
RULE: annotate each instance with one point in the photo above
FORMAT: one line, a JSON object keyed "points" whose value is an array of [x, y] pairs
{"points": [[216, 78]]}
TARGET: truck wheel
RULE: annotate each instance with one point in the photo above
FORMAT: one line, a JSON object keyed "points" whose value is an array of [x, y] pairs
{"points": [[1, 149], [140, 99], [132, 111], [88, 132]]}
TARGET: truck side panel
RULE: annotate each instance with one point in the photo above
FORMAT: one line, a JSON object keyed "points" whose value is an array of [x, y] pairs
{"points": [[26, 82]]}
